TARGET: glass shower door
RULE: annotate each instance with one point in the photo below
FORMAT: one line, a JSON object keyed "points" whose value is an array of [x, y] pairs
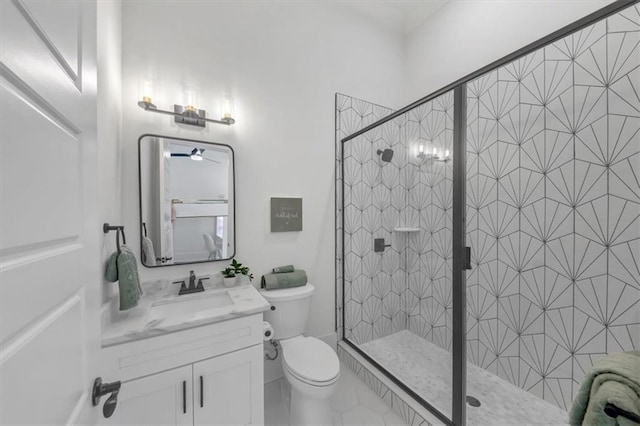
{"points": [[397, 189]]}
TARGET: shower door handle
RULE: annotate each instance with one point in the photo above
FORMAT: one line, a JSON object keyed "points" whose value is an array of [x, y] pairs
{"points": [[467, 258]]}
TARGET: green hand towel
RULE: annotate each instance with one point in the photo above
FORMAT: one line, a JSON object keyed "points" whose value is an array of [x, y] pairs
{"points": [[111, 274], [614, 379], [283, 269], [128, 280], [296, 278]]}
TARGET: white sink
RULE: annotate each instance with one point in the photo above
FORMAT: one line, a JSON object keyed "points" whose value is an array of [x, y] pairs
{"points": [[188, 308]]}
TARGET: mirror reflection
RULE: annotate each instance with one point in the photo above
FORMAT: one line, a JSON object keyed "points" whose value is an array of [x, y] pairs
{"points": [[186, 201]]}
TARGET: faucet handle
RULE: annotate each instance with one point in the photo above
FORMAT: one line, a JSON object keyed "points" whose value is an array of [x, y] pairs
{"points": [[200, 282], [183, 287]]}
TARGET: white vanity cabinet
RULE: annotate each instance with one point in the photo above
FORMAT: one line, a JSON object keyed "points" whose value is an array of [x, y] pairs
{"points": [[208, 375], [160, 399], [228, 390]]}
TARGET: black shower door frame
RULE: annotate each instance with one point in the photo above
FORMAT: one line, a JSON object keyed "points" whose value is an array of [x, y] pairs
{"points": [[460, 253]]}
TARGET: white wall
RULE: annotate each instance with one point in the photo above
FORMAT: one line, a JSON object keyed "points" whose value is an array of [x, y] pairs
{"points": [[109, 62], [281, 63], [465, 35]]}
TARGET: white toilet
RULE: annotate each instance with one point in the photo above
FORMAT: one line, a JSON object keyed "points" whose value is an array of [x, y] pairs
{"points": [[310, 366]]}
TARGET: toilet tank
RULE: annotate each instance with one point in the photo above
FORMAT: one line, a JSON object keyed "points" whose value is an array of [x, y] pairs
{"points": [[289, 310]]}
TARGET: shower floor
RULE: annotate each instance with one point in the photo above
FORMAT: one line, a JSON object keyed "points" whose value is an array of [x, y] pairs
{"points": [[426, 368]]}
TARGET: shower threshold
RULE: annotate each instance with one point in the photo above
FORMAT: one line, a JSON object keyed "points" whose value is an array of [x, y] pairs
{"points": [[426, 369]]}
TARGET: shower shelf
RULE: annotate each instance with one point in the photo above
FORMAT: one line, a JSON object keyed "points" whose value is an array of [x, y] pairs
{"points": [[406, 229]]}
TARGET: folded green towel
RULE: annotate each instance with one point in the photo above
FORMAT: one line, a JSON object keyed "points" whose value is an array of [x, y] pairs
{"points": [[283, 269], [296, 278], [128, 280], [614, 379]]}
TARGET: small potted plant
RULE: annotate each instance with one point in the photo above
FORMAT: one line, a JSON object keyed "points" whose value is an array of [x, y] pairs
{"points": [[230, 273]]}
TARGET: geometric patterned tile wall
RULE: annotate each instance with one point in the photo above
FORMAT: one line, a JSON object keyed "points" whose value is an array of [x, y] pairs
{"points": [[374, 202], [553, 214], [429, 253], [352, 114], [406, 286]]}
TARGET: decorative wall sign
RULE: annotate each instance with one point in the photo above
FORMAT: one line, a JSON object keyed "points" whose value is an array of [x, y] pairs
{"points": [[286, 214]]}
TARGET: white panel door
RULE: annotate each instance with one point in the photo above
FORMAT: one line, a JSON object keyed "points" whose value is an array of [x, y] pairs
{"points": [[228, 389], [160, 399], [49, 272]]}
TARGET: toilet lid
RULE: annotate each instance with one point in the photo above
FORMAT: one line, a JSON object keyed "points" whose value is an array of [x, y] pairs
{"points": [[311, 359]]}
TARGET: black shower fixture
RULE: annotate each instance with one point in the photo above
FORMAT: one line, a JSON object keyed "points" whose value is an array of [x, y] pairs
{"points": [[386, 155]]}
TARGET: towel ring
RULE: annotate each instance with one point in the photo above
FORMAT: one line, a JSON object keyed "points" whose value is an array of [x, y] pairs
{"points": [[106, 228]]}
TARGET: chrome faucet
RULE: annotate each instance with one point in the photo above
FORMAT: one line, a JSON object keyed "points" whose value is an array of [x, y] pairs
{"points": [[193, 288]]}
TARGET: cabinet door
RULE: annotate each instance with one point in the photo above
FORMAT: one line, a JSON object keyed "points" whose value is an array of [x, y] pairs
{"points": [[229, 389], [160, 399]]}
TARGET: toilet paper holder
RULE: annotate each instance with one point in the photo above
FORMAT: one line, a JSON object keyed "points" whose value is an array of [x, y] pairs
{"points": [[275, 347], [268, 334]]}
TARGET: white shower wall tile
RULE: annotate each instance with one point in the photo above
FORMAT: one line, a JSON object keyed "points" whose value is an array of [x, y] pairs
{"points": [[567, 221], [553, 214]]}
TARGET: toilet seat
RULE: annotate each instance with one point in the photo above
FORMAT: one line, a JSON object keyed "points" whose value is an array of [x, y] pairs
{"points": [[312, 361]]}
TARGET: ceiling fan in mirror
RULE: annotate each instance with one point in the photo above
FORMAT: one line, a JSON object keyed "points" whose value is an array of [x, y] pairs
{"points": [[195, 154]]}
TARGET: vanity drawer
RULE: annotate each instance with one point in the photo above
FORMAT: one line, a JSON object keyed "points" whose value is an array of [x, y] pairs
{"points": [[154, 354]]}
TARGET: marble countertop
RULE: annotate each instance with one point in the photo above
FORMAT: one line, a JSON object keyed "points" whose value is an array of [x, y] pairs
{"points": [[135, 324]]}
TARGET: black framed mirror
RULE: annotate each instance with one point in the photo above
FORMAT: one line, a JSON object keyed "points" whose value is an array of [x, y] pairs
{"points": [[187, 201]]}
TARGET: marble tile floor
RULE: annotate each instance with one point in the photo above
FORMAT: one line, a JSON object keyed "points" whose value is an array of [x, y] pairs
{"points": [[426, 368], [353, 404]]}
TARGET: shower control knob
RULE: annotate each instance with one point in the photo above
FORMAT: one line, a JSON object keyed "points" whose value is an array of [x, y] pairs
{"points": [[379, 245]]}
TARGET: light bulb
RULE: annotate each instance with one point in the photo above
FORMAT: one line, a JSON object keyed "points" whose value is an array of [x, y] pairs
{"points": [[446, 154], [227, 108], [435, 151], [189, 99], [146, 90], [421, 149]]}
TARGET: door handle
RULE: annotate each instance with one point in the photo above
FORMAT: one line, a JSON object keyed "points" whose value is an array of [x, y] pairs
{"points": [[201, 392], [184, 397]]}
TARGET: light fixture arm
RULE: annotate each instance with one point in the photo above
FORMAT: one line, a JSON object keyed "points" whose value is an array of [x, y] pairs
{"points": [[184, 115]]}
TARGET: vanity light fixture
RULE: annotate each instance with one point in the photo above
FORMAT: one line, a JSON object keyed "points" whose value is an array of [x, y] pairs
{"points": [[187, 114], [446, 158], [425, 156]]}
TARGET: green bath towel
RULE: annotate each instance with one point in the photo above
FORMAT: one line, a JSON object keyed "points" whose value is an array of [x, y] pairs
{"points": [[614, 379], [112, 268], [128, 280], [283, 269], [296, 278]]}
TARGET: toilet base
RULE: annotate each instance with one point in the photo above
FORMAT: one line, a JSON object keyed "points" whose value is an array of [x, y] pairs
{"points": [[309, 405], [307, 411]]}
